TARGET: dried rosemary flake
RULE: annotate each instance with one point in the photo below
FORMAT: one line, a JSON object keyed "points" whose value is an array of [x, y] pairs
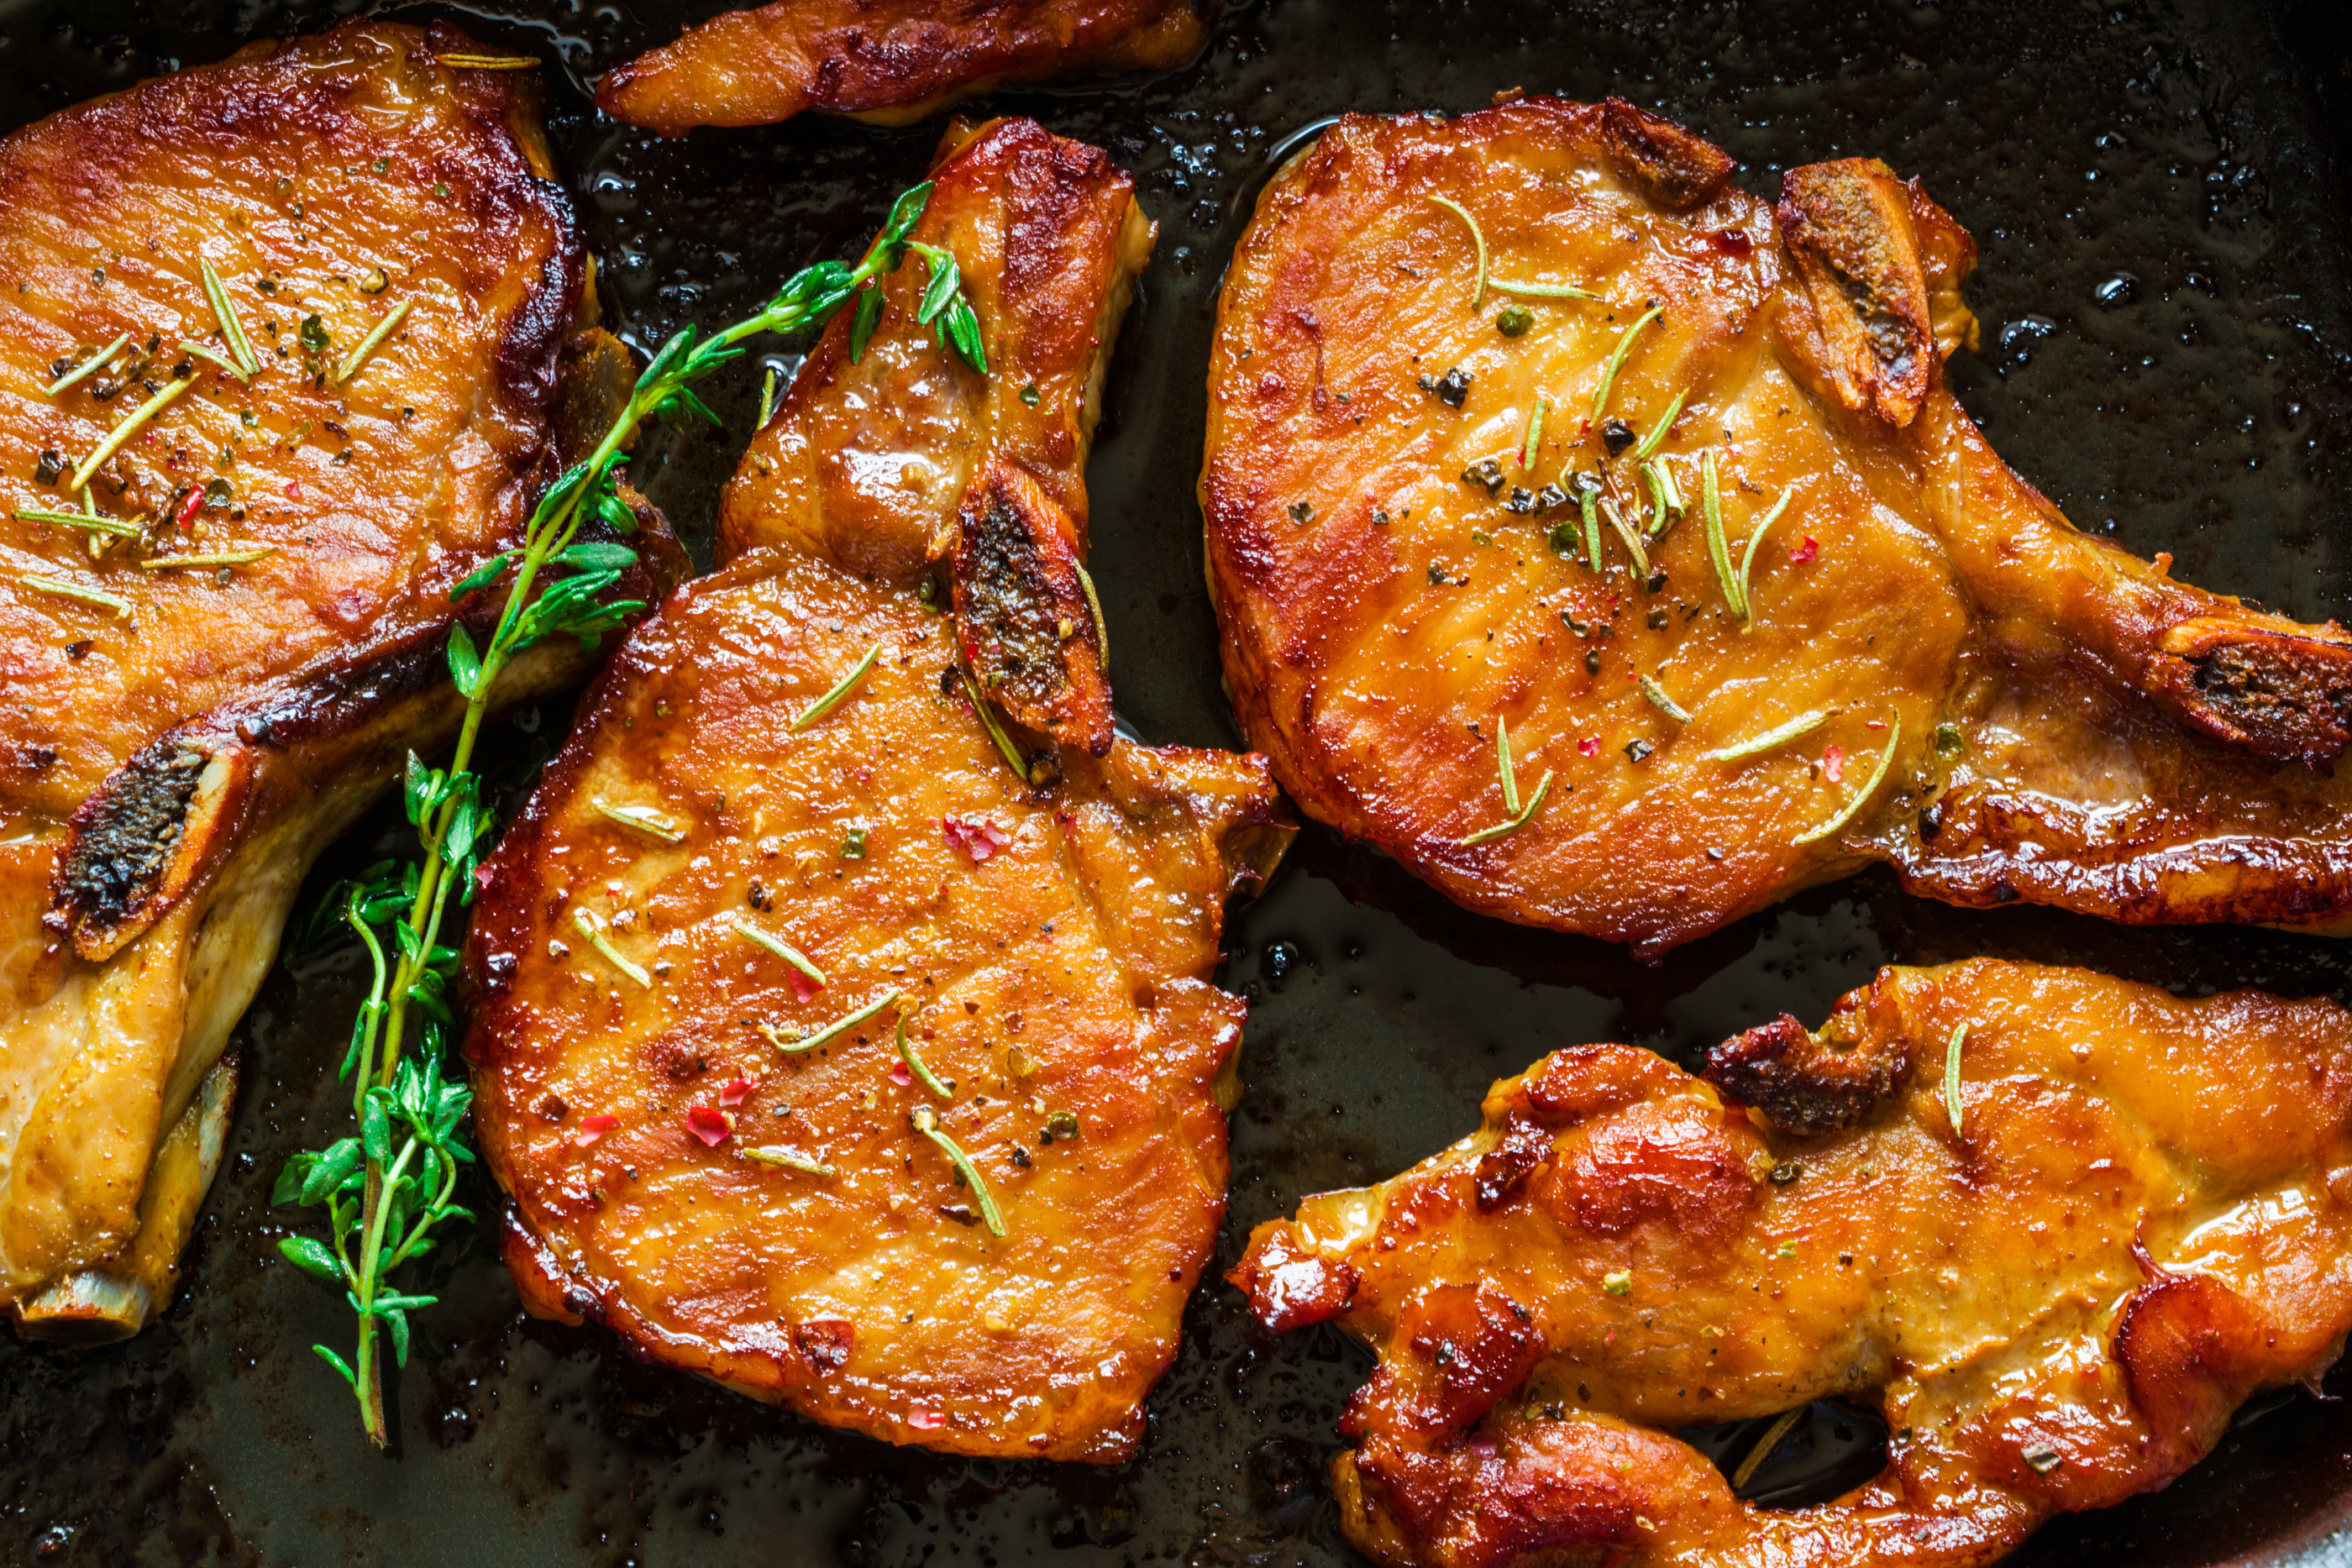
{"points": [[1779, 735], [209, 559], [645, 819], [1662, 702], [831, 1031], [1617, 360], [122, 433], [1952, 1106], [1657, 437], [224, 316], [1477, 294], [210, 358], [785, 1159], [1764, 1447], [92, 597], [1869, 787], [84, 520], [596, 939], [1539, 290], [930, 1080], [374, 340], [1534, 433], [780, 948], [926, 1121], [487, 62], [839, 694], [87, 368], [1626, 532]]}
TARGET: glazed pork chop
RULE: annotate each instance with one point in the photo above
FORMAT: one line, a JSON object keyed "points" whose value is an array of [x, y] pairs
{"points": [[846, 1030], [290, 343], [890, 62], [2056, 1226], [1604, 544]]}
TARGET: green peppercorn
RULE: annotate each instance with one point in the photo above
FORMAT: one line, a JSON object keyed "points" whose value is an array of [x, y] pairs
{"points": [[1514, 319]]}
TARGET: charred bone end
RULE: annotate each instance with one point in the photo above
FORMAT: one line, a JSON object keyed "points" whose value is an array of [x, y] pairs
{"points": [[1025, 624], [139, 843], [1849, 228], [1802, 1084], [1667, 164], [2283, 695]]}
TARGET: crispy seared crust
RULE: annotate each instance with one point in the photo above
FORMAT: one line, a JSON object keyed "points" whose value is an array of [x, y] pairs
{"points": [[195, 755], [865, 464], [2128, 746], [2142, 1220], [889, 62], [1050, 933]]}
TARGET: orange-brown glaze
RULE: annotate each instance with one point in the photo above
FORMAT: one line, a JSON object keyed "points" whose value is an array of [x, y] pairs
{"points": [[1046, 936], [169, 768], [866, 463], [889, 62], [2075, 727], [2144, 1216]]}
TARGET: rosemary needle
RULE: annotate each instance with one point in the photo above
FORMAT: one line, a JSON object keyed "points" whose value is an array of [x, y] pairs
{"points": [[767, 399], [1657, 437], [831, 1031], [1503, 766], [200, 351], [209, 559], [487, 62], [1869, 787], [1478, 294], [1534, 433], [1617, 358], [1952, 1077], [839, 694], [644, 819], [1662, 702], [1665, 494], [927, 1122], [785, 1159], [930, 1080], [78, 520], [1626, 532], [1711, 496], [225, 315], [373, 341], [611, 955], [88, 366], [122, 433], [1540, 290], [1779, 735], [780, 948], [1535, 803], [1764, 1447], [1518, 813], [1747, 557], [1094, 604], [995, 731], [89, 596]]}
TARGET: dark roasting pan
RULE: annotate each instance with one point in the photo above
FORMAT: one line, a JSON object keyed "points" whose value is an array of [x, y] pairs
{"points": [[2160, 190]]}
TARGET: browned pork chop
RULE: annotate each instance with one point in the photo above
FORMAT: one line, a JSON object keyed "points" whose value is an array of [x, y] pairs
{"points": [[2055, 1226], [786, 935], [225, 581], [1470, 382]]}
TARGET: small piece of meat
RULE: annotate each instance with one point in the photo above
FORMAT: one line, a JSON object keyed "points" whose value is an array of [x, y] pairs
{"points": [[1729, 714], [2141, 1221], [1804, 1085], [889, 62]]}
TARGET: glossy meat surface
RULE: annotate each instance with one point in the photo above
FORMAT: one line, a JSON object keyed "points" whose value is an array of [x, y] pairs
{"points": [[890, 61], [1397, 575], [2142, 1216], [176, 744], [776, 1217]]}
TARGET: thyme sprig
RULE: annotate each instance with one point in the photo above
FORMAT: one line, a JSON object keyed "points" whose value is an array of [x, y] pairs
{"points": [[1518, 813], [87, 368], [389, 1188]]}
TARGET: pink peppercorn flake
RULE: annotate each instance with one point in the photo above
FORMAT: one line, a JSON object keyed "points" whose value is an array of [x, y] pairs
{"points": [[709, 1126], [1589, 747], [899, 1075], [1805, 552], [737, 1091], [975, 836], [595, 1127], [1833, 764], [923, 1418], [294, 489], [802, 986]]}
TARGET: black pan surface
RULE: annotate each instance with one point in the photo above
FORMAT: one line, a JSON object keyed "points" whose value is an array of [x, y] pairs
{"points": [[2166, 296]]}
